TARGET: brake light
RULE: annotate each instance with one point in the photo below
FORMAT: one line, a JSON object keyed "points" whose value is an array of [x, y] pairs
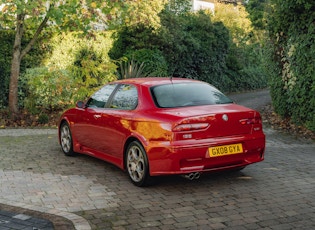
{"points": [[190, 127]]}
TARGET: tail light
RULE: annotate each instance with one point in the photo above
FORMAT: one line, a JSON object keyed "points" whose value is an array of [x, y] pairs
{"points": [[255, 122], [190, 127], [251, 121], [193, 123]]}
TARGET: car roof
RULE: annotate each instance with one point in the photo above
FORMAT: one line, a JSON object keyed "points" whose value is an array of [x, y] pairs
{"points": [[152, 81]]}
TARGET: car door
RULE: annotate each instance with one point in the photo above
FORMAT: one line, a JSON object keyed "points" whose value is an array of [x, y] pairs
{"points": [[116, 120], [88, 128]]}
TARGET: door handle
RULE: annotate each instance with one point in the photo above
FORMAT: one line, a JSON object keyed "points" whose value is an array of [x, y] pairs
{"points": [[96, 116]]}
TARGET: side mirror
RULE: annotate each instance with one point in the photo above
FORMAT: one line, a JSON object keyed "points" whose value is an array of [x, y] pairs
{"points": [[80, 104]]}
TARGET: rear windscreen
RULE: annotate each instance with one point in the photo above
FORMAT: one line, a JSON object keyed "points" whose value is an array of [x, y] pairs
{"points": [[187, 94]]}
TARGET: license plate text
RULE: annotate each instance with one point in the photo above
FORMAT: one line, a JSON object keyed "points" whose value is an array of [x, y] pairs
{"points": [[223, 150]]}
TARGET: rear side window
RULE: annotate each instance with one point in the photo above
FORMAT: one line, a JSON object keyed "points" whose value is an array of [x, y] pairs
{"points": [[187, 94], [126, 98], [100, 97]]}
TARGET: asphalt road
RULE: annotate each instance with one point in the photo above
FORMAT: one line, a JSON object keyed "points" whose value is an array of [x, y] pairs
{"points": [[255, 99], [277, 193]]}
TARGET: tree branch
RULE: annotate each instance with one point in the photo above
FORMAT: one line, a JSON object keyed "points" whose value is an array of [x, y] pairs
{"points": [[35, 37]]}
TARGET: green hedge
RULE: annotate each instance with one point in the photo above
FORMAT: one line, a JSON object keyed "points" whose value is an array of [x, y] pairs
{"points": [[293, 78]]}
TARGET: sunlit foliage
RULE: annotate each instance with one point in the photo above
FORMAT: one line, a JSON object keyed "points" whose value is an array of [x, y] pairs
{"points": [[75, 68]]}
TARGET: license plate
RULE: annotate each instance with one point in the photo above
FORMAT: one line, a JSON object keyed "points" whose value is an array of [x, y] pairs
{"points": [[224, 150]]}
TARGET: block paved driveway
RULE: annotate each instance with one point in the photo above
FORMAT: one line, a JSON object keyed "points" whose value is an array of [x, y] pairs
{"points": [[278, 193]]}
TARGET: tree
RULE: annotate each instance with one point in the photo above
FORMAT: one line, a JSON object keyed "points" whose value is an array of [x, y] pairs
{"points": [[257, 13], [144, 12], [194, 46], [35, 17]]}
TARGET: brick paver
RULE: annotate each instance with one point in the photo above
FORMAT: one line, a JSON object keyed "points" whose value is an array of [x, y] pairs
{"points": [[277, 193], [10, 220]]}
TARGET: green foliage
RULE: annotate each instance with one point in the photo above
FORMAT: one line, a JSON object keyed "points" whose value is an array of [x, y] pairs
{"points": [[195, 47], [283, 19], [43, 118], [245, 57], [256, 10], [131, 69], [235, 19], [140, 42], [144, 12], [64, 15], [218, 49], [48, 89], [89, 69], [131, 38], [5, 51], [73, 71], [35, 17], [130, 12], [179, 6], [90, 72], [32, 59], [180, 41], [154, 61], [292, 34]]}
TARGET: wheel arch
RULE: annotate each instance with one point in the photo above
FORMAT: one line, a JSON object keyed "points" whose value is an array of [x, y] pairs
{"points": [[63, 120]]}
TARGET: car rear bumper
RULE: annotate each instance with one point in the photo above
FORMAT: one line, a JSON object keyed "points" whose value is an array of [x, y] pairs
{"points": [[185, 158]]}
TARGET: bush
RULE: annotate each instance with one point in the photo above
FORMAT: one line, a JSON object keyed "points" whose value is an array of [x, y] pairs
{"points": [[43, 119], [74, 69], [89, 71], [293, 81], [197, 48], [55, 89], [48, 89], [132, 38], [245, 57], [190, 45], [153, 60], [141, 44]]}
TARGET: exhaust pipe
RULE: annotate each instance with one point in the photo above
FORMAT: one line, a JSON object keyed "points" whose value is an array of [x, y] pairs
{"points": [[192, 176]]}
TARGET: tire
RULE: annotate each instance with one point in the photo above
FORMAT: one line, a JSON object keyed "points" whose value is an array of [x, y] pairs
{"points": [[137, 164], [66, 139]]}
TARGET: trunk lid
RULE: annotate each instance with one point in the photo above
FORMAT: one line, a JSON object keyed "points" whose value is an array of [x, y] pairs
{"points": [[222, 120]]}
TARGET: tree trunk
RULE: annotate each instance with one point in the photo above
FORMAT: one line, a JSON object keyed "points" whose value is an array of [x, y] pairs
{"points": [[15, 67], [14, 79], [18, 54]]}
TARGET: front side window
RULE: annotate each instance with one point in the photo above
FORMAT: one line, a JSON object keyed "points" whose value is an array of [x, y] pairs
{"points": [[100, 97], [187, 94], [126, 97]]}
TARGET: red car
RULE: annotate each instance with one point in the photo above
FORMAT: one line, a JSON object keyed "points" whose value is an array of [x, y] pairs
{"points": [[162, 126]]}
